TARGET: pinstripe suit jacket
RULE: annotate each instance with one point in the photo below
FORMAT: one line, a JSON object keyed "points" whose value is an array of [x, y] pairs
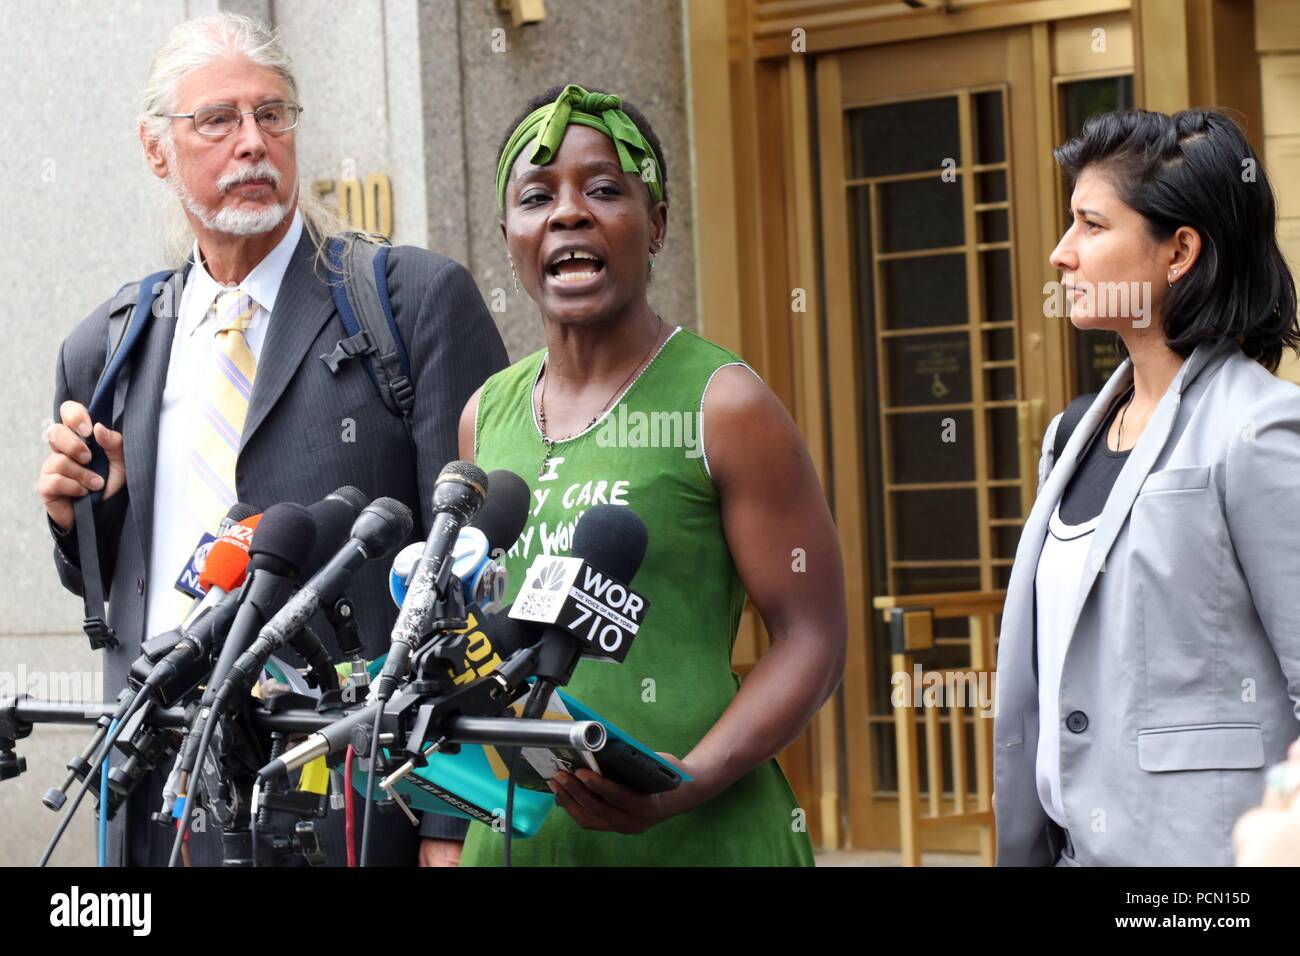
{"points": [[295, 444]]}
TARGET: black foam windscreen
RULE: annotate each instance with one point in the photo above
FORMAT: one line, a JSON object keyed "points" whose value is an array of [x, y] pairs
{"points": [[504, 513], [383, 525], [333, 515], [612, 539], [239, 511], [287, 532], [354, 496]]}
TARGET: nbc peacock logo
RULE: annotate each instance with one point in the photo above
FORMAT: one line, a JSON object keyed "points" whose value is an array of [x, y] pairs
{"points": [[550, 577]]}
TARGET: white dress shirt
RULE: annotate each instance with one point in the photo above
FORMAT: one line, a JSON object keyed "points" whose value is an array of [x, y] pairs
{"points": [[175, 531], [1060, 572]]}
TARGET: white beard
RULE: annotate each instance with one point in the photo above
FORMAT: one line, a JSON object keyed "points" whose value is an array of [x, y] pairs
{"points": [[234, 222], [240, 222]]}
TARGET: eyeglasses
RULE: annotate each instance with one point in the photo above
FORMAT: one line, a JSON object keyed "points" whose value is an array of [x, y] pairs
{"points": [[220, 121]]}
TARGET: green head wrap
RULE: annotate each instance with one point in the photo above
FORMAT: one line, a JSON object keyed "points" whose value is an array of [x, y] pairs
{"points": [[600, 111]]}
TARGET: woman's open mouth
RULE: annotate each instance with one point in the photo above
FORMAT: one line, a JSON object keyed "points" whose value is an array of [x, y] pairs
{"points": [[575, 268]]}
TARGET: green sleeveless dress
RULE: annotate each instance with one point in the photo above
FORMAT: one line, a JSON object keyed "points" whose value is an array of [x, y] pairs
{"points": [[645, 452]]}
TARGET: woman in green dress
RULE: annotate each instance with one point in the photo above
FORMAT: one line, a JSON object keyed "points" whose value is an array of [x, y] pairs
{"points": [[624, 408]]}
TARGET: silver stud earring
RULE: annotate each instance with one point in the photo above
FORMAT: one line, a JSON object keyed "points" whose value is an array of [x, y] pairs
{"points": [[513, 275]]}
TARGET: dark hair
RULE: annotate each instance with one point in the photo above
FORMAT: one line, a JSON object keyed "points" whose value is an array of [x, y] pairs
{"points": [[1189, 169], [634, 114]]}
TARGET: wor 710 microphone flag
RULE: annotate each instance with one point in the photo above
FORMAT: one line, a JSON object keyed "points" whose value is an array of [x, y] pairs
{"points": [[603, 613]]}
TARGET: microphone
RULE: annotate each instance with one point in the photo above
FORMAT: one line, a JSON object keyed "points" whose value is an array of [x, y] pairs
{"points": [[223, 571], [595, 614], [190, 581], [457, 496], [186, 665], [225, 566], [382, 526], [505, 512], [238, 512], [280, 547], [282, 542], [327, 741], [584, 599], [608, 547], [280, 552], [334, 515], [491, 640], [501, 520], [482, 580], [474, 555]]}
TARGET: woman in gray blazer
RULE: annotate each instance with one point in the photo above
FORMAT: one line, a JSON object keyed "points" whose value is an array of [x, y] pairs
{"points": [[1149, 657]]}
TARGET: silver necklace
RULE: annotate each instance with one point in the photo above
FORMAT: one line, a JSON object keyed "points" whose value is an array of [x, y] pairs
{"points": [[549, 442]]}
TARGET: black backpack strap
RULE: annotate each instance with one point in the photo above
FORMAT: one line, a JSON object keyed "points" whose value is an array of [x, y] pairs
{"points": [[120, 311], [359, 284], [1070, 419], [130, 314]]}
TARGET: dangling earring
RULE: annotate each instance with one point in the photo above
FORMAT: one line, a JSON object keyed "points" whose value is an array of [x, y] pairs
{"points": [[513, 275], [1169, 280], [652, 268]]}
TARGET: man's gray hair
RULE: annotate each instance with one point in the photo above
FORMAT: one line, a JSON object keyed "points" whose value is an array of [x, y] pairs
{"points": [[190, 46], [196, 43]]}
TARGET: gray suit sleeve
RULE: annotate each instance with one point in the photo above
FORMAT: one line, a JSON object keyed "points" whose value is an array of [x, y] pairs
{"points": [[109, 515], [456, 347], [1261, 501]]}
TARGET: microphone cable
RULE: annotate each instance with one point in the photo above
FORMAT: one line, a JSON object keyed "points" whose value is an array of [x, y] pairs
{"points": [[191, 795], [529, 705], [103, 816], [101, 762], [349, 818], [370, 783], [253, 812]]}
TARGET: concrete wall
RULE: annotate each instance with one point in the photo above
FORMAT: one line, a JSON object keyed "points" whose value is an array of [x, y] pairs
{"points": [[411, 89], [82, 208]]}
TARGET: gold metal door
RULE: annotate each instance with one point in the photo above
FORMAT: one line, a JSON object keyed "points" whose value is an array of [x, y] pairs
{"points": [[929, 193]]}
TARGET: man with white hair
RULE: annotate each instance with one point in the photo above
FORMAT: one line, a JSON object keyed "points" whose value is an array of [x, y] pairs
{"points": [[228, 398]]}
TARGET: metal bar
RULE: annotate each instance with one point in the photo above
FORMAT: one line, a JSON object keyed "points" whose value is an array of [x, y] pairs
{"points": [[909, 779], [499, 731], [933, 758], [957, 728]]}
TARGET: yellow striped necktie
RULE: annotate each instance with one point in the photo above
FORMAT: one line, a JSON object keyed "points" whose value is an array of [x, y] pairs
{"points": [[222, 409]]}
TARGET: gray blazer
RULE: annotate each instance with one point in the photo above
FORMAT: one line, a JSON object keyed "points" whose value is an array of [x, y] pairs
{"points": [[1181, 681], [294, 446]]}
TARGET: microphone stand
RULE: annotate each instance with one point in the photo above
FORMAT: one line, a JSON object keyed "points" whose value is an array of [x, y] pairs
{"points": [[429, 706]]}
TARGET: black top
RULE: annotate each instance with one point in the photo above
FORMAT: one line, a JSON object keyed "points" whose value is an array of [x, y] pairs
{"points": [[1089, 487]]}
